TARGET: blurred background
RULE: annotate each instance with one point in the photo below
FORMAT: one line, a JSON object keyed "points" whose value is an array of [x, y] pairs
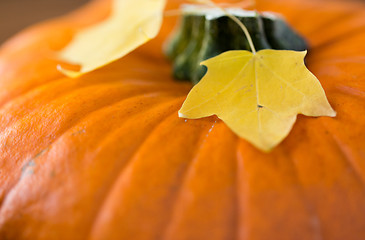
{"points": [[18, 14]]}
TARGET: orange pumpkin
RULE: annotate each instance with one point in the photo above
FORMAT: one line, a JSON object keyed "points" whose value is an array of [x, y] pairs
{"points": [[105, 156]]}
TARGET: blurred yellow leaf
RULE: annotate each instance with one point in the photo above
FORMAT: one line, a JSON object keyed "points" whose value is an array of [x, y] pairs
{"points": [[257, 95], [131, 24]]}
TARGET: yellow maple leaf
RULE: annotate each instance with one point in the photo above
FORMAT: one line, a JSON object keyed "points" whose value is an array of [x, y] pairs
{"points": [[257, 95], [131, 24]]}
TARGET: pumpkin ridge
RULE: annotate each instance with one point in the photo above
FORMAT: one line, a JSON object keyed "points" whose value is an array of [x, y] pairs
{"points": [[329, 61], [126, 168], [5, 189], [221, 221], [341, 89], [122, 172], [348, 59], [125, 165], [346, 33], [73, 92], [358, 172], [337, 90], [19, 74], [356, 50], [5, 193], [69, 89], [344, 110], [54, 78], [257, 201], [345, 36], [240, 201], [157, 105], [307, 202], [243, 194], [334, 87], [348, 90], [5, 98], [187, 173], [343, 16], [341, 196]]}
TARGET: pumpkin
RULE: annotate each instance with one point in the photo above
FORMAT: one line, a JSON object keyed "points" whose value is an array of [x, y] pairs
{"points": [[105, 156]]}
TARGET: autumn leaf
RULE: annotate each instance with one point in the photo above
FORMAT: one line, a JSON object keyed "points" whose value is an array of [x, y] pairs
{"points": [[257, 95], [131, 24]]}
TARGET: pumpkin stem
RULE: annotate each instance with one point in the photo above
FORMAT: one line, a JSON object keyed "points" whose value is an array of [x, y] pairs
{"points": [[244, 29], [235, 19]]}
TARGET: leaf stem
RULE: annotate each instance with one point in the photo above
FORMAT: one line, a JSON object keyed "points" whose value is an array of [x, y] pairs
{"points": [[235, 19]]}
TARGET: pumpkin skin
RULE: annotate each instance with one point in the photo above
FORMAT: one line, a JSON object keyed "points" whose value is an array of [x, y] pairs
{"points": [[105, 156]]}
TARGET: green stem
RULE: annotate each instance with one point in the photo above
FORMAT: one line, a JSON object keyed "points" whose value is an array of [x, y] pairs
{"points": [[235, 19]]}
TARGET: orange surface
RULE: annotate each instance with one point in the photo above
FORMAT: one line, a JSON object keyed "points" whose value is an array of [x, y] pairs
{"points": [[105, 156]]}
